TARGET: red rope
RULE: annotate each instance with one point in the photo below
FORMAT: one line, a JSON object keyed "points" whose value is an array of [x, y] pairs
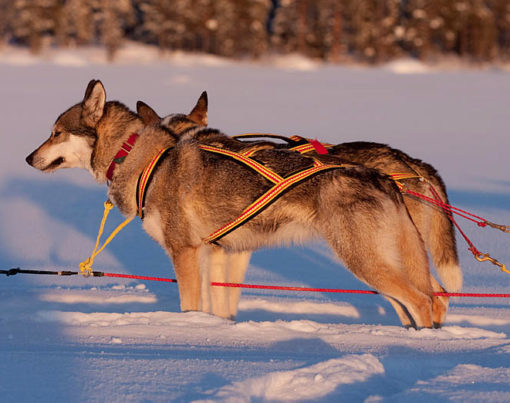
{"points": [[447, 211], [304, 289], [167, 280], [463, 213]]}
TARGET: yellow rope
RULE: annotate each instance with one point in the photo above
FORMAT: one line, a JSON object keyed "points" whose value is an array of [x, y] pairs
{"points": [[86, 265]]}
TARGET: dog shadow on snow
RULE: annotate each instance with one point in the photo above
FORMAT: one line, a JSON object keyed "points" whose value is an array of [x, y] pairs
{"points": [[81, 208]]}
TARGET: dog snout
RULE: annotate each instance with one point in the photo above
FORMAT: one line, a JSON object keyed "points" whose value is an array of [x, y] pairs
{"points": [[30, 159]]}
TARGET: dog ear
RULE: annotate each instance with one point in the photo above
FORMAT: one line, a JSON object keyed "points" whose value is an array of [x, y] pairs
{"points": [[93, 103], [199, 112], [148, 115]]}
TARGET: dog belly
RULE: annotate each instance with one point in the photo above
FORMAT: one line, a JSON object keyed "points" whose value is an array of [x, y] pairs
{"points": [[246, 239]]}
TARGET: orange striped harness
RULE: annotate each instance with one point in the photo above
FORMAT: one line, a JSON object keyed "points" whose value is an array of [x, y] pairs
{"points": [[280, 184]]}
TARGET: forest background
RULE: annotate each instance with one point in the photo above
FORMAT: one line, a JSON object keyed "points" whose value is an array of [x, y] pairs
{"points": [[337, 31]]}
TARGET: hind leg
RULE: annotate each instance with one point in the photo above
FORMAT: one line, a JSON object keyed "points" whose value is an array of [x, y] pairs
{"points": [[439, 304], [383, 249], [401, 291], [413, 307], [402, 313]]}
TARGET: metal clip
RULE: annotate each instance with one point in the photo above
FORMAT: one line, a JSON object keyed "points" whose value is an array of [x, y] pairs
{"points": [[504, 228], [483, 257]]}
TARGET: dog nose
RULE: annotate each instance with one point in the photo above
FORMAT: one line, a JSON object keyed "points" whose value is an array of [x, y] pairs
{"points": [[30, 159]]}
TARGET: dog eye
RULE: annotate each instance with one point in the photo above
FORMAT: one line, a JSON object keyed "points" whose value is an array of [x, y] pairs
{"points": [[56, 134]]}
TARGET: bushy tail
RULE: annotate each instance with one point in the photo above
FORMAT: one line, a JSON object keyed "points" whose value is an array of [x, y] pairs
{"points": [[443, 248]]}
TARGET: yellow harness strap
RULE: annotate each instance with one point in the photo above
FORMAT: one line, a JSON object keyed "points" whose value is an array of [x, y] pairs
{"points": [[86, 265]]}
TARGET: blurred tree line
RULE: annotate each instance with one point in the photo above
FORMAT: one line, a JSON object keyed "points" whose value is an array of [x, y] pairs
{"points": [[333, 30]]}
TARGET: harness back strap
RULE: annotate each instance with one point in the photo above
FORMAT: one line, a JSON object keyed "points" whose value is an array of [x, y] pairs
{"points": [[295, 143], [145, 178], [269, 197], [267, 173]]}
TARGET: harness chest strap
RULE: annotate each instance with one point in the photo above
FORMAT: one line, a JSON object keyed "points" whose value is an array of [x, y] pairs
{"points": [[145, 178]]}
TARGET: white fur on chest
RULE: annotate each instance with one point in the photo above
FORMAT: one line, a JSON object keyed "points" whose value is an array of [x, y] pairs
{"points": [[153, 226]]}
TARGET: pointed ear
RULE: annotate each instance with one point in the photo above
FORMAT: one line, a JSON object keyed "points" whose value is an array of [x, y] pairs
{"points": [[199, 112], [93, 103], [148, 115]]}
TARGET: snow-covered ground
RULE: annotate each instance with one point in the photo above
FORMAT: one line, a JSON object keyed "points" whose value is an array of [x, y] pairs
{"points": [[73, 339]]}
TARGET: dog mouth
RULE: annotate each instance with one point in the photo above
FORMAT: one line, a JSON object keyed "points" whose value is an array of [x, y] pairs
{"points": [[55, 164]]}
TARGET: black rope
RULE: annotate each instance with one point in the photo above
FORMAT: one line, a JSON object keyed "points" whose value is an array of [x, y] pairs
{"points": [[17, 270]]}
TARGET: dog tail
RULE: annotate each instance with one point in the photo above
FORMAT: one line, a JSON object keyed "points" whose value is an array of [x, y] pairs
{"points": [[443, 246]]}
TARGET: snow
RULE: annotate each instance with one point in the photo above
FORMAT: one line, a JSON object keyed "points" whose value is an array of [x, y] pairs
{"points": [[94, 339]]}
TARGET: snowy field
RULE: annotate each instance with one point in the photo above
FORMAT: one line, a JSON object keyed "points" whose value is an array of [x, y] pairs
{"points": [[76, 339]]}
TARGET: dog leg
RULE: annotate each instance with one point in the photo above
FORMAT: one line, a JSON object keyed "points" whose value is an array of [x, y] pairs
{"points": [[214, 266], [186, 265], [415, 302], [205, 281], [218, 273], [393, 258], [439, 304], [402, 312], [237, 265]]}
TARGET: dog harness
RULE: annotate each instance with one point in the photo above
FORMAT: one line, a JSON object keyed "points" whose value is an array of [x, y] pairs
{"points": [[280, 184], [295, 143], [146, 177]]}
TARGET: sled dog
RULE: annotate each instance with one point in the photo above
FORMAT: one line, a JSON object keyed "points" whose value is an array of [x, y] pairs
{"points": [[434, 225], [233, 270], [358, 211]]}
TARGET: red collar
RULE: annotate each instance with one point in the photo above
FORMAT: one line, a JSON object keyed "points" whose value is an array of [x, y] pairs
{"points": [[121, 154]]}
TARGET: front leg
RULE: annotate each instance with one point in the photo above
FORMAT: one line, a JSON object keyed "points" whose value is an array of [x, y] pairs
{"points": [[213, 262], [186, 265], [237, 264]]}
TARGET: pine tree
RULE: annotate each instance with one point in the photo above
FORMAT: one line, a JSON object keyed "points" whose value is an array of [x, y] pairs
{"points": [[6, 9], [32, 21], [78, 22], [501, 11], [116, 16], [164, 22]]}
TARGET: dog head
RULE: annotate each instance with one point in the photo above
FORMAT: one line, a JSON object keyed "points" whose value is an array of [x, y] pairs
{"points": [[73, 135], [176, 123]]}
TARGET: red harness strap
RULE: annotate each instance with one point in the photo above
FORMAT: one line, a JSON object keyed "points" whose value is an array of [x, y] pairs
{"points": [[121, 154]]}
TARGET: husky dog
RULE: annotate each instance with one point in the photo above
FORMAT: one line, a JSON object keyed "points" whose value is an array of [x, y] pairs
{"points": [[434, 225], [234, 270], [358, 211]]}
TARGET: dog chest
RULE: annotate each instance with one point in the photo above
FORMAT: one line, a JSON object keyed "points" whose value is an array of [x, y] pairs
{"points": [[153, 226]]}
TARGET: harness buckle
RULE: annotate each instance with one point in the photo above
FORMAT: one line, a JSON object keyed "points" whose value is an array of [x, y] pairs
{"points": [[483, 257]]}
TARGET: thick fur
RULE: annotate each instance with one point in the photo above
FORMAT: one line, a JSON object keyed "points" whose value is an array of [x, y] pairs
{"points": [[357, 210], [220, 268], [433, 224]]}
